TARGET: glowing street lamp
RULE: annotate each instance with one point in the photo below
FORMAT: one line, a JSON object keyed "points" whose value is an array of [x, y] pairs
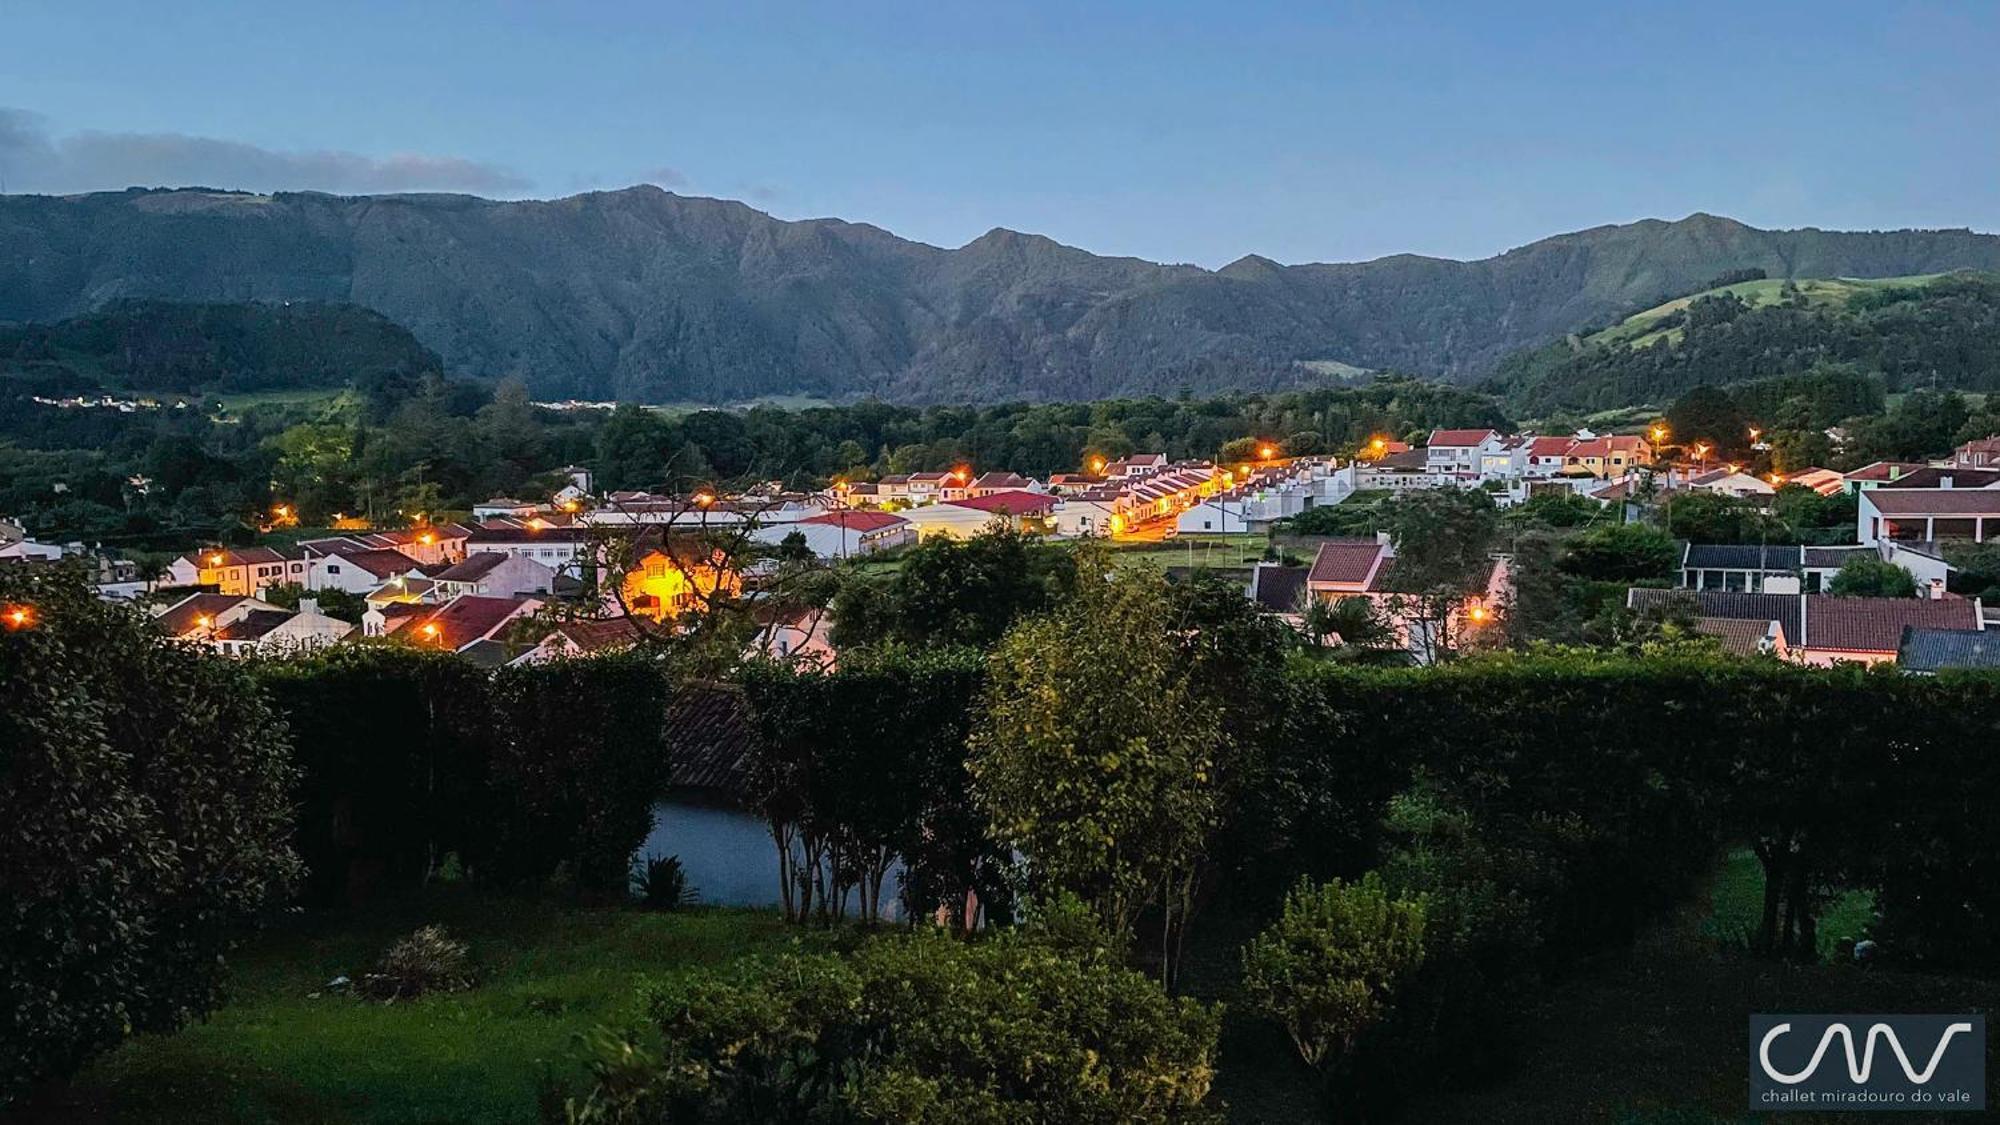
{"points": [[430, 630], [18, 617], [1266, 452], [215, 559], [1097, 464]]}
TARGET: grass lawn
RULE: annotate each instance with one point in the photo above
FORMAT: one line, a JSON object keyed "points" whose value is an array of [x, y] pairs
{"points": [[1650, 1035], [1738, 907], [278, 1053], [1217, 552]]}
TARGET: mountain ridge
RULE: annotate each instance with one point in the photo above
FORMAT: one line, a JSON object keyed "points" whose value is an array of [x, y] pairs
{"points": [[648, 295]]}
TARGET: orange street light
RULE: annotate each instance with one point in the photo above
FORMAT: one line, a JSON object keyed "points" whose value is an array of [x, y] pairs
{"points": [[704, 498], [1266, 452], [430, 630], [1478, 614], [1659, 433], [1754, 431], [203, 621], [19, 617], [426, 538], [1777, 478], [1097, 464], [215, 560], [1734, 467]]}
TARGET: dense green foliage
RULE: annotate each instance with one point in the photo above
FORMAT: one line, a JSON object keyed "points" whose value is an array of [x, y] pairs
{"points": [[865, 763], [954, 591], [525, 774], [1037, 1024], [1328, 968], [1942, 335], [144, 816], [166, 347], [1867, 577]]}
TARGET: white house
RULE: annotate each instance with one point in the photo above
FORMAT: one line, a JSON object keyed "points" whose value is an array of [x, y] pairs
{"points": [[1093, 512], [1459, 451], [358, 572], [962, 519], [497, 573], [846, 533], [1927, 514], [501, 506]]}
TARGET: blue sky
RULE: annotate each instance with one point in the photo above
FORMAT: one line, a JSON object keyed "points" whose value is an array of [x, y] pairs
{"points": [[1172, 131]]}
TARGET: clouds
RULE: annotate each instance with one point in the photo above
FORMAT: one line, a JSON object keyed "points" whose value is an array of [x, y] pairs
{"points": [[34, 160]]}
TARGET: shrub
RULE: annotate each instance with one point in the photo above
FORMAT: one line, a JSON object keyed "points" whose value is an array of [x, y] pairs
{"points": [[1329, 967], [144, 817], [918, 1028], [426, 962], [579, 758], [661, 883]]}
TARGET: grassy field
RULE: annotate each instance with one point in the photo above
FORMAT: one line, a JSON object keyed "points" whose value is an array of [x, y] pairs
{"points": [[1738, 905], [1637, 329], [1216, 552], [1649, 1035], [284, 1051]]}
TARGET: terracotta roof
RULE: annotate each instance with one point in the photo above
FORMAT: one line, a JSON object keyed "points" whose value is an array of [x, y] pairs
{"points": [[710, 736], [465, 619], [1877, 624], [1929, 650], [1001, 480], [1458, 437], [1883, 470], [382, 562], [477, 565], [253, 624], [597, 635], [1353, 563], [1550, 446], [1743, 636], [512, 534], [857, 520], [179, 620], [1935, 501], [1011, 503]]}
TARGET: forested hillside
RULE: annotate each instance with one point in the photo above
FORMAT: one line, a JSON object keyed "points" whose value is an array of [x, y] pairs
{"points": [[1918, 333], [646, 296], [164, 346]]}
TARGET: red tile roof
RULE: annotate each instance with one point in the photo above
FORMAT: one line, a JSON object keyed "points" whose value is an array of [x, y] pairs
{"points": [[1883, 470], [1009, 503], [382, 562], [1459, 437], [857, 520], [1876, 624], [1550, 446], [180, 620], [1352, 563], [466, 619], [1935, 501]]}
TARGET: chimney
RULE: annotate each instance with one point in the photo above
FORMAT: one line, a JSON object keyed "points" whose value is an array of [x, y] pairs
{"points": [[309, 606], [1944, 481], [1937, 589]]}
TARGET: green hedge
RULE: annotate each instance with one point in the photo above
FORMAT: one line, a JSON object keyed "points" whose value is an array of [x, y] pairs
{"points": [[144, 818], [525, 773]]}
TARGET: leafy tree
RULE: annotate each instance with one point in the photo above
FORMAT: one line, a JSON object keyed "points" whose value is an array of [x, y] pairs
{"points": [[1093, 753], [1328, 968], [1869, 577], [145, 818], [954, 592], [1444, 541], [1632, 552], [1711, 517], [1709, 415], [1037, 1024]]}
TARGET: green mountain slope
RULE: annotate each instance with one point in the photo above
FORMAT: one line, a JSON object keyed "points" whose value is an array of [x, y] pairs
{"points": [[641, 294], [231, 348], [1935, 331]]}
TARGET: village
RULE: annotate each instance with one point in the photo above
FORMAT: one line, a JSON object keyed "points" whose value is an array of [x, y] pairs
{"points": [[520, 580]]}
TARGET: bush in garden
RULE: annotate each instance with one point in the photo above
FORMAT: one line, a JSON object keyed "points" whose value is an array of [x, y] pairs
{"points": [[426, 962], [579, 757], [1328, 969], [917, 1028], [661, 883], [144, 819], [392, 744]]}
